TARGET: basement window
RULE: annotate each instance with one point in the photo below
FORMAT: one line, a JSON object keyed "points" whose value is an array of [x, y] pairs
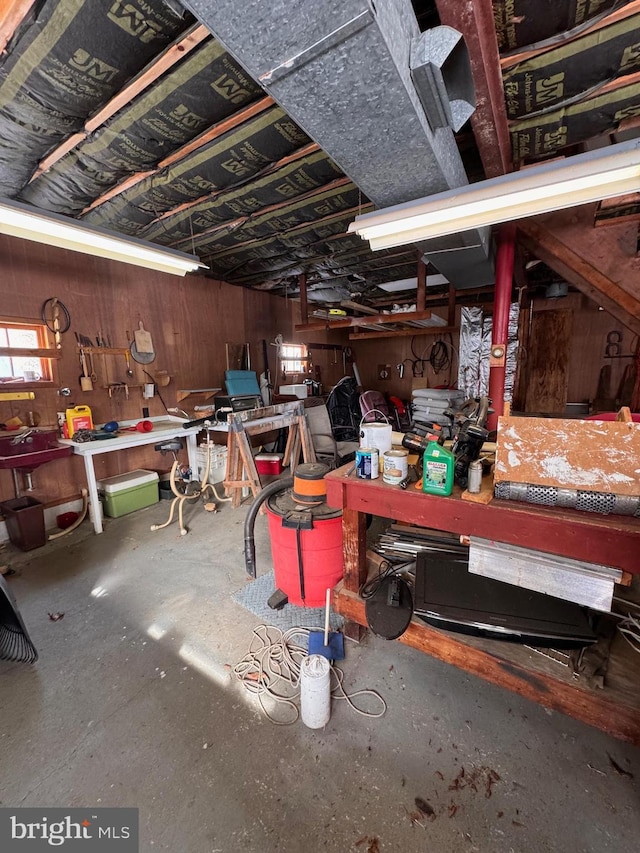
{"points": [[293, 358], [21, 359]]}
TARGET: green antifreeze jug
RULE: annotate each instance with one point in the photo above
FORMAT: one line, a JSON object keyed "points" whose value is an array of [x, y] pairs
{"points": [[437, 470]]}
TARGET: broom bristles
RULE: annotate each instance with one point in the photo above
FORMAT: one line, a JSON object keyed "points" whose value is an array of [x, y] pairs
{"points": [[15, 643]]}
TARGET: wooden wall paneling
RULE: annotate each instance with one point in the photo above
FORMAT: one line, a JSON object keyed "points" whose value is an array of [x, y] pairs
{"points": [[588, 343], [588, 348], [189, 319], [548, 362], [393, 351], [519, 389]]}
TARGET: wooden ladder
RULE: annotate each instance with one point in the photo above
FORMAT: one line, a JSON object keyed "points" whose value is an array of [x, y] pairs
{"points": [[241, 470]]}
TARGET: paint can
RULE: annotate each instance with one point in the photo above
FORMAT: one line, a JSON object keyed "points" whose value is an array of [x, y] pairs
{"points": [[367, 463], [376, 435], [315, 691], [395, 466]]}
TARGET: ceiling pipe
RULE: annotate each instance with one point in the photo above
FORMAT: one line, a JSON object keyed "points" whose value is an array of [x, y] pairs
{"points": [[500, 327]]}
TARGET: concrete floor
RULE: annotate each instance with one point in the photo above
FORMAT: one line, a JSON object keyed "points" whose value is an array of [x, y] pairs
{"points": [[133, 683]]}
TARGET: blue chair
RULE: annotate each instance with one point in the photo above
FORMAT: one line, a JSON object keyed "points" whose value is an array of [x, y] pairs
{"points": [[241, 383]]}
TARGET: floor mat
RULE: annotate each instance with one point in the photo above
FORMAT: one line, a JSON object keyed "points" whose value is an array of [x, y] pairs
{"points": [[254, 597]]}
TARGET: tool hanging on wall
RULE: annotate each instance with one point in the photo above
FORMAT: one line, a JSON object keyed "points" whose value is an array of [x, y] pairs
{"points": [[141, 357], [85, 380], [144, 344], [56, 318]]}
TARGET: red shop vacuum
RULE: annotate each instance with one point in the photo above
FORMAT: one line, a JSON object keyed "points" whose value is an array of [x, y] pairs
{"points": [[306, 537]]}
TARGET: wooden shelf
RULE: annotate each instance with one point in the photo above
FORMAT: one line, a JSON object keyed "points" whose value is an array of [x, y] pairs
{"points": [[104, 350], [183, 393], [403, 333], [401, 324], [27, 352], [517, 669]]}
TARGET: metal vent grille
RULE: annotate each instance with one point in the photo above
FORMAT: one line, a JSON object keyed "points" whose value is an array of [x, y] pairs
{"points": [[599, 502]]}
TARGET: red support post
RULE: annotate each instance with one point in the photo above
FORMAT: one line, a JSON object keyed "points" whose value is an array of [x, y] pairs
{"points": [[500, 329]]}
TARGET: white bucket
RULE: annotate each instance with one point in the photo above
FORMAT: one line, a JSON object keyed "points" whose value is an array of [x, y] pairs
{"points": [[376, 435], [315, 691]]}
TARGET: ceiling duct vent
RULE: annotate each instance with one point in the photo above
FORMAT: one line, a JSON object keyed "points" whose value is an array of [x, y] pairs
{"points": [[441, 74]]}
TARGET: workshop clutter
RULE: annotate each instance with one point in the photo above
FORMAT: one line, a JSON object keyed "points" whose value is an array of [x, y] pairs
{"points": [[129, 492], [217, 462], [77, 418], [589, 465], [429, 405]]}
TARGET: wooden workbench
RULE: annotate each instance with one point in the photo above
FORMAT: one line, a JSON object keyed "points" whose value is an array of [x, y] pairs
{"points": [[611, 540]]}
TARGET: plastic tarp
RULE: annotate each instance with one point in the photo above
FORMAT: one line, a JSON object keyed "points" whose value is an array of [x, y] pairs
{"points": [[67, 64]]}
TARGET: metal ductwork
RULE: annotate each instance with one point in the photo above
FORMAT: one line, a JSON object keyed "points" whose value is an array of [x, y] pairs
{"points": [[342, 70]]}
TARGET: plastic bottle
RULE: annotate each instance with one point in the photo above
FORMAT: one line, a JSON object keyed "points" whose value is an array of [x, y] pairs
{"points": [[437, 466], [78, 417]]}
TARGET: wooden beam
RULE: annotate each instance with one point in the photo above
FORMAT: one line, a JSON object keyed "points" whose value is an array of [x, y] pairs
{"points": [[204, 138], [11, 15], [474, 19], [378, 320], [176, 52], [421, 295], [569, 245], [451, 306], [304, 306], [403, 333], [356, 306]]}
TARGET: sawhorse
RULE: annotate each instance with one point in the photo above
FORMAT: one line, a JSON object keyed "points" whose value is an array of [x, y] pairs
{"points": [[241, 470]]}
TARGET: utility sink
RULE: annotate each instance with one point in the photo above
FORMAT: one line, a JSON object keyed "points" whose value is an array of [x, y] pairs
{"points": [[28, 449]]}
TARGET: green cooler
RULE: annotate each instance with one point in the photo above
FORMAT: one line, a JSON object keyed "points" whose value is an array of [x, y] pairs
{"points": [[126, 493]]}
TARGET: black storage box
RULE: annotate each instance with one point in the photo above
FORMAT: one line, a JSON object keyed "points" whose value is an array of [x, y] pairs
{"points": [[25, 522]]}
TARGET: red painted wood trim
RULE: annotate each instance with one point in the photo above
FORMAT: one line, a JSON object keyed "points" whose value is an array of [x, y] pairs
{"points": [[618, 720], [610, 540]]}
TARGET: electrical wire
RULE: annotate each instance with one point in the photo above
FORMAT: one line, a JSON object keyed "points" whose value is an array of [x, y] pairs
{"points": [[157, 390], [270, 670], [629, 626], [385, 570]]}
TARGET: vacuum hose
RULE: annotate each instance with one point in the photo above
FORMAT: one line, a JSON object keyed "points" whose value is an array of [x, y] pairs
{"points": [[249, 522]]}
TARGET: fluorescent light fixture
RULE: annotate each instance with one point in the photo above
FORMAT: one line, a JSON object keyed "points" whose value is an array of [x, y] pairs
{"points": [[411, 283], [21, 220], [582, 179]]}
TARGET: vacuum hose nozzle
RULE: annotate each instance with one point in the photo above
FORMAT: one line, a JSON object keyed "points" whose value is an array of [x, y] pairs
{"points": [[249, 522]]}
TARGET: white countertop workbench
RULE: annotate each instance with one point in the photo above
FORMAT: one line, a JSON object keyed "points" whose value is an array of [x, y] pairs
{"points": [[164, 427]]}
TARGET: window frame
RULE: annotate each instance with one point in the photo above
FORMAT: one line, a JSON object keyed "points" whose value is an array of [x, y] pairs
{"points": [[45, 353], [300, 361]]}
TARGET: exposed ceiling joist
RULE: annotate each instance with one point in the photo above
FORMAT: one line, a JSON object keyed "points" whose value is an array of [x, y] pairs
{"points": [[11, 15], [300, 154], [566, 243], [474, 19], [173, 54], [203, 139]]}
